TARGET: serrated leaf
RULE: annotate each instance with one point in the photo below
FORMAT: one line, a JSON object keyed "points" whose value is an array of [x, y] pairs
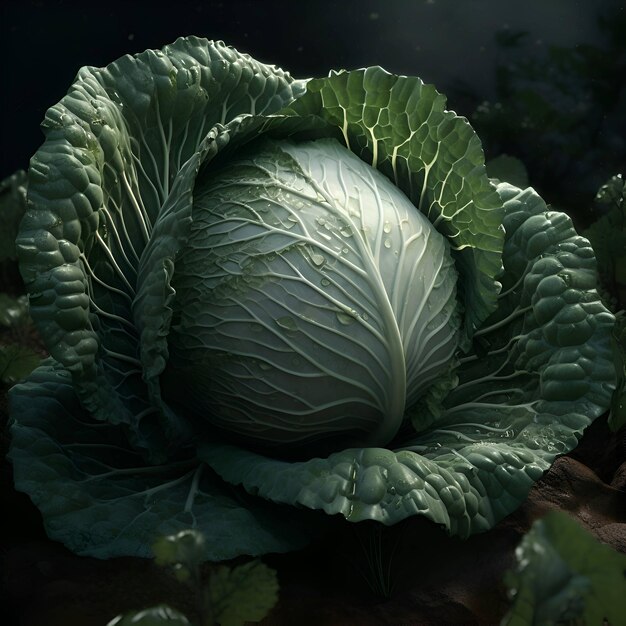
{"points": [[564, 574], [13, 311], [12, 208], [16, 363], [245, 593]]}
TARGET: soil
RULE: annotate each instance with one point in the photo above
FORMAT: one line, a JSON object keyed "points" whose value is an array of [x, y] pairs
{"points": [[435, 580]]}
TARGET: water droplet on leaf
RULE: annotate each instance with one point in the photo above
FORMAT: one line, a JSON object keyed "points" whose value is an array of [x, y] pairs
{"points": [[317, 259], [287, 322], [344, 318]]}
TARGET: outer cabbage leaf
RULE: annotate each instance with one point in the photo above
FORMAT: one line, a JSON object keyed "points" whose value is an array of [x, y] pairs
{"points": [[101, 499], [539, 372], [113, 160], [400, 126]]}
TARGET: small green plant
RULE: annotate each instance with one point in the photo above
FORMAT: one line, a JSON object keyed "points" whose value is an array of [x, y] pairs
{"points": [[564, 576], [229, 596], [12, 207], [16, 359], [607, 235]]}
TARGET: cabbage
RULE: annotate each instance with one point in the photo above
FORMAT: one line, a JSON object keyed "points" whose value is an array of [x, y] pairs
{"points": [[259, 291], [312, 299]]}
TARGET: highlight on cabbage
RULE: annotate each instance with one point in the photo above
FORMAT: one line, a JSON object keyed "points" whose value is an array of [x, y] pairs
{"points": [[263, 296]]}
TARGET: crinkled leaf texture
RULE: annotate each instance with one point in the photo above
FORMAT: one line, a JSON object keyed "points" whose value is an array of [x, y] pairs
{"points": [[540, 370], [101, 499], [109, 469], [97, 444], [112, 182]]}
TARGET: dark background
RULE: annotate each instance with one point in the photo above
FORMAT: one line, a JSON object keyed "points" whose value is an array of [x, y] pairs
{"points": [[463, 47]]}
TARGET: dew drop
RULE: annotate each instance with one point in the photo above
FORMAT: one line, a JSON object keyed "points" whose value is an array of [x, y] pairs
{"points": [[387, 227], [346, 231], [325, 282], [387, 243], [318, 259], [287, 322], [344, 318]]}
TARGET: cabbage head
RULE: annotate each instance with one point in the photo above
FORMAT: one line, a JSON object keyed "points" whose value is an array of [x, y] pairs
{"points": [[265, 298]]}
